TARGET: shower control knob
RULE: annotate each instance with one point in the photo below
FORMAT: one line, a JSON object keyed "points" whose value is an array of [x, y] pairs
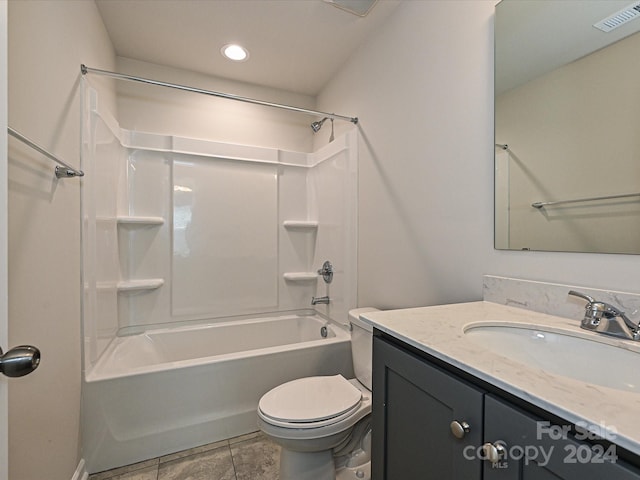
{"points": [[459, 429], [19, 361], [326, 271]]}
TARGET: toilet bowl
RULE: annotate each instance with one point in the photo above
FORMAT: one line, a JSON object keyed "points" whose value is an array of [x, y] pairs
{"points": [[318, 420]]}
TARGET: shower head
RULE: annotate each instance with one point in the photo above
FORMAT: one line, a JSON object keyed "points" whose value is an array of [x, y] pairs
{"points": [[316, 126]]}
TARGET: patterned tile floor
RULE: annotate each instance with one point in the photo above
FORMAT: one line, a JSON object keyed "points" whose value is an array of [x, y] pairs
{"points": [[248, 457]]}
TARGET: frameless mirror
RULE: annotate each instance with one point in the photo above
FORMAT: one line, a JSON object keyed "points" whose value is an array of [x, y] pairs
{"points": [[567, 126]]}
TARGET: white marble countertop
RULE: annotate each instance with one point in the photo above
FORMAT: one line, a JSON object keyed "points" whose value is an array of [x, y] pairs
{"points": [[439, 331]]}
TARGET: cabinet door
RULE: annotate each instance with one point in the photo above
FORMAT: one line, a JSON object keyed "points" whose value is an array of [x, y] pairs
{"points": [[414, 404], [538, 450]]}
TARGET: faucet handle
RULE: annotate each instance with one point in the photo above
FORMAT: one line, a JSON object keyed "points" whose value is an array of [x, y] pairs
{"points": [[593, 311], [583, 296], [326, 271], [596, 311]]}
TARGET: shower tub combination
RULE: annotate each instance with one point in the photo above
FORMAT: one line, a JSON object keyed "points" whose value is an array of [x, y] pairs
{"points": [[169, 389], [178, 343]]}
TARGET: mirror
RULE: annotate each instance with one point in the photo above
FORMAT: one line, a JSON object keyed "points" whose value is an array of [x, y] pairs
{"points": [[567, 126]]}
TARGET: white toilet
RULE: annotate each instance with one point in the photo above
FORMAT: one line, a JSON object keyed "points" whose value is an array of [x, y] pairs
{"points": [[322, 423]]}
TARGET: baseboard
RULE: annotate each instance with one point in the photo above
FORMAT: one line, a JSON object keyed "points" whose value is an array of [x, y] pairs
{"points": [[80, 473]]}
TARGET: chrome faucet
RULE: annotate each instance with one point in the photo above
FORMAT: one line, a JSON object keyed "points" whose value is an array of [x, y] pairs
{"points": [[317, 300], [604, 318]]}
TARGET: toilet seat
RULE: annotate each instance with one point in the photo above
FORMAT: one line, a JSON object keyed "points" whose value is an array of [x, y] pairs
{"points": [[304, 425], [310, 402]]}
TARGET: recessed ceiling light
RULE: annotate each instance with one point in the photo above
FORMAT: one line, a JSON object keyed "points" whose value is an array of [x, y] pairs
{"points": [[235, 52]]}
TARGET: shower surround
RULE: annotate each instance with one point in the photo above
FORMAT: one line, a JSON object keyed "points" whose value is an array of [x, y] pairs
{"points": [[185, 233]]}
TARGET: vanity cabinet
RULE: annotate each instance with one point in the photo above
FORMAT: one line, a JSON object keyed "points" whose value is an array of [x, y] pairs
{"points": [[415, 403]]}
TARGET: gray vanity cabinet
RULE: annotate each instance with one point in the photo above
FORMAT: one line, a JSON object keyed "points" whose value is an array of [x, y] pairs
{"points": [[413, 407], [415, 403]]}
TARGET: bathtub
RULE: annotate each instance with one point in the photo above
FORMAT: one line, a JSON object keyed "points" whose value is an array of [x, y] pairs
{"points": [[165, 390]]}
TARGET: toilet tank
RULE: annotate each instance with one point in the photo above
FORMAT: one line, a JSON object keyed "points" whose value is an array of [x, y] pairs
{"points": [[361, 345]]}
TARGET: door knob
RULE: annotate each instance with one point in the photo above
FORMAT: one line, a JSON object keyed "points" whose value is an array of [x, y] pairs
{"points": [[494, 452], [459, 429], [19, 361]]}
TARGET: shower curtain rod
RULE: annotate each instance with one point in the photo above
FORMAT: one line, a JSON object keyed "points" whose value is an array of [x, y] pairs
{"points": [[84, 69], [62, 171]]}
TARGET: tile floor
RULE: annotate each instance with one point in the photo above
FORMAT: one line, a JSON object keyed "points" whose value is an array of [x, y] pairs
{"points": [[248, 457]]}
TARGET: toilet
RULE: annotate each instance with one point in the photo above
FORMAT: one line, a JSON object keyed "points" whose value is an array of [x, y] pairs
{"points": [[322, 424]]}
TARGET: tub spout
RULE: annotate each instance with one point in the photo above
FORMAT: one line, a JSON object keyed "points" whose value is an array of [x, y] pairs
{"points": [[322, 300]]}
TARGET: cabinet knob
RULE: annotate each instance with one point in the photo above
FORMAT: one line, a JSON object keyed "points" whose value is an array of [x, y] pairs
{"points": [[459, 429], [494, 452]]}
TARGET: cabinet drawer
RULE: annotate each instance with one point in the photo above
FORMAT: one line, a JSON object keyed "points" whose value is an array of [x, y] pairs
{"points": [[538, 450]]}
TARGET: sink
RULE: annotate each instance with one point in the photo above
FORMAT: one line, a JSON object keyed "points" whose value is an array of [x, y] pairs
{"points": [[583, 357]]}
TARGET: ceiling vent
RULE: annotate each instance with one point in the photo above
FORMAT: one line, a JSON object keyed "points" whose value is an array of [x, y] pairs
{"points": [[619, 18], [357, 7]]}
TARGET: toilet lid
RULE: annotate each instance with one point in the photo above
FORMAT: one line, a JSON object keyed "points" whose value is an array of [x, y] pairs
{"points": [[310, 399], [308, 425]]}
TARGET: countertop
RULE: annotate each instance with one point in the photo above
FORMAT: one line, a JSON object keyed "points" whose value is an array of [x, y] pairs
{"points": [[439, 331]]}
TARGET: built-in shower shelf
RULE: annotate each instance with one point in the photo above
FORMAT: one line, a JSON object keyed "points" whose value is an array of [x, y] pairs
{"points": [[300, 224], [137, 285], [141, 221], [300, 276]]}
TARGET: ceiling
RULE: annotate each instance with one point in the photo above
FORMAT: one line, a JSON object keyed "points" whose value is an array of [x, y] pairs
{"points": [[294, 45], [535, 37]]}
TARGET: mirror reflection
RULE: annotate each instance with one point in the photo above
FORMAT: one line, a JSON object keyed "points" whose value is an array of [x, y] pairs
{"points": [[567, 126]]}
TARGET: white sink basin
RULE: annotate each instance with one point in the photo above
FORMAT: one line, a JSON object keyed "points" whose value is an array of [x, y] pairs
{"points": [[584, 358]]}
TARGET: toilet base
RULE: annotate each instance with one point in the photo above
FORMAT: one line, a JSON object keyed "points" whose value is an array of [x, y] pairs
{"points": [[361, 472], [318, 466], [306, 465]]}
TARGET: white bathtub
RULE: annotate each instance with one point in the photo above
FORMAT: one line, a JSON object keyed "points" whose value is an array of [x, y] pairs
{"points": [[165, 390]]}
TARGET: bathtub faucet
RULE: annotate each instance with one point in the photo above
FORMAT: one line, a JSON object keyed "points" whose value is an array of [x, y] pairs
{"points": [[317, 300]]}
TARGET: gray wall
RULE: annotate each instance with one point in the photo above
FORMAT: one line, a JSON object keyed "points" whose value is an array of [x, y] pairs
{"points": [[47, 43], [423, 90]]}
